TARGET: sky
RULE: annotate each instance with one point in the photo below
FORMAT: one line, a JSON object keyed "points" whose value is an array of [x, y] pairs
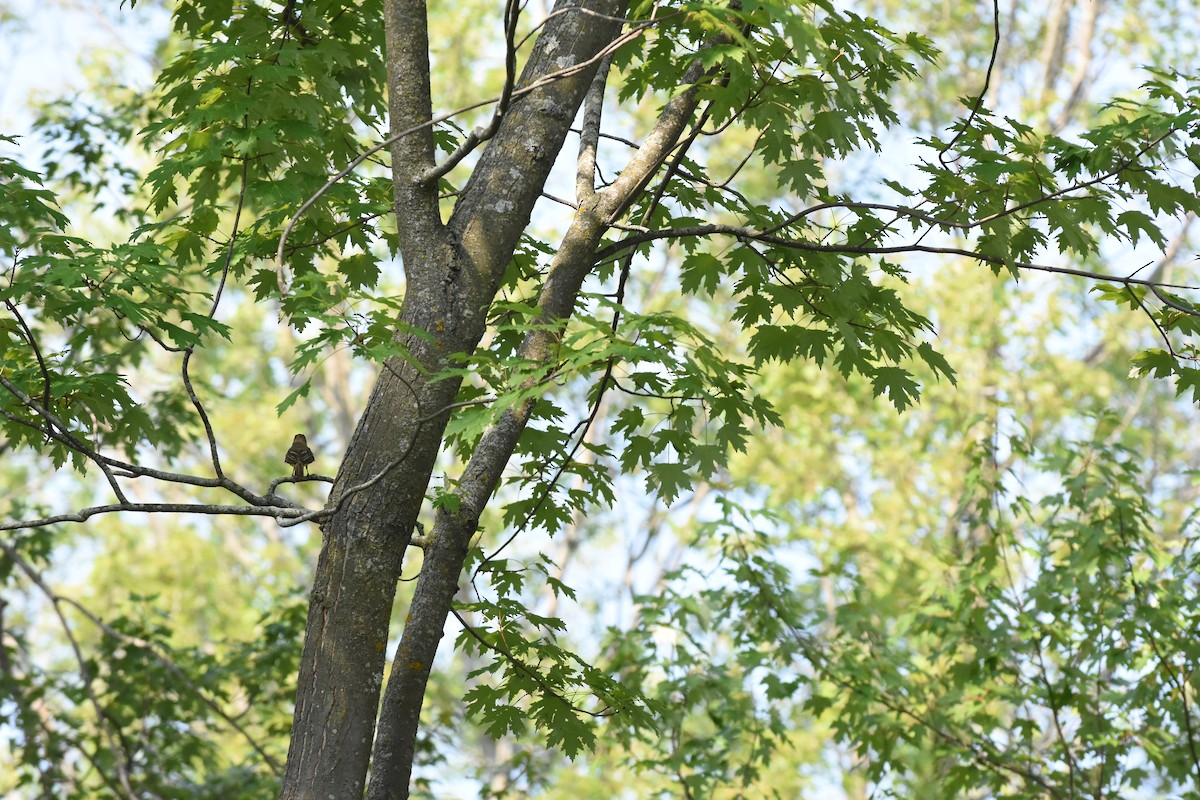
{"points": [[46, 49]]}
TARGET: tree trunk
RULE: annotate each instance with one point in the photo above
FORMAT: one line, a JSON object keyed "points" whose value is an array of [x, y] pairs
{"points": [[453, 271]]}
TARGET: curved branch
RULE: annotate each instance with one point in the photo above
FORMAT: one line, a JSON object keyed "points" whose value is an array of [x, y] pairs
{"points": [[191, 348], [987, 82], [58, 431], [37, 352]]}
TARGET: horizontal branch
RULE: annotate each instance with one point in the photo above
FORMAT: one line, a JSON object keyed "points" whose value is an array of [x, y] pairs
{"points": [[278, 512], [739, 232]]}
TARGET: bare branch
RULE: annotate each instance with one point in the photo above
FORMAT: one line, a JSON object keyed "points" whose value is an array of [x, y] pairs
{"points": [[208, 428], [280, 513], [658, 144]]}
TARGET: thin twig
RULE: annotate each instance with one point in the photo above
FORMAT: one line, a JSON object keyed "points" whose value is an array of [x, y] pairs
{"points": [[190, 350], [37, 352], [987, 82]]}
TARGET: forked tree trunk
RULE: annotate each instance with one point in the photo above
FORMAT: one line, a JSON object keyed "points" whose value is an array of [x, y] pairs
{"points": [[452, 271]]}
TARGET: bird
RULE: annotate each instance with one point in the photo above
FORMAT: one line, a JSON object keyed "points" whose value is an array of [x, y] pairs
{"points": [[298, 455]]}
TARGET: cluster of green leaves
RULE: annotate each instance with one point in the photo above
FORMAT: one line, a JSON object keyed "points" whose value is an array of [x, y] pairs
{"points": [[1052, 661], [808, 85], [78, 318], [248, 119], [527, 677], [688, 404], [1025, 189], [164, 715]]}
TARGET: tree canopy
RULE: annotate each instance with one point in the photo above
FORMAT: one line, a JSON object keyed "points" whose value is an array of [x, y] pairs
{"points": [[767, 397]]}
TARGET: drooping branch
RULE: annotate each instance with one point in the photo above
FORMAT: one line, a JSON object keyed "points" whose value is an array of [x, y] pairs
{"points": [[190, 350], [987, 82]]}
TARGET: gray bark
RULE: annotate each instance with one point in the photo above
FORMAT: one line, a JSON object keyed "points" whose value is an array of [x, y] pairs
{"points": [[449, 541], [452, 271]]}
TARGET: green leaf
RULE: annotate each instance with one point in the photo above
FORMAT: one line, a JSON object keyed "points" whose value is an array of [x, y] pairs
{"points": [[899, 385]]}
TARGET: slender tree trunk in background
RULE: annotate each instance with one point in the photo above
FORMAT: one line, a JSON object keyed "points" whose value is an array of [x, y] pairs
{"points": [[452, 272]]}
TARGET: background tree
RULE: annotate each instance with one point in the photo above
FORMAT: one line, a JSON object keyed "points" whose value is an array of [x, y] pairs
{"points": [[527, 363]]}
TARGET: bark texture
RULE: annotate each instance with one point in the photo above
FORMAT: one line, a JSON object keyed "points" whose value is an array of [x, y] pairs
{"points": [[452, 272], [449, 541]]}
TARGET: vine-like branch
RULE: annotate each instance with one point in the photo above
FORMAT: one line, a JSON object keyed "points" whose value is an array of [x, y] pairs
{"points": [[987, 82]]}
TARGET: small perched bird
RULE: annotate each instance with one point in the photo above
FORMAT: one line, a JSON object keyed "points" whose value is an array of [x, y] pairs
{"points": [[299, 456]]}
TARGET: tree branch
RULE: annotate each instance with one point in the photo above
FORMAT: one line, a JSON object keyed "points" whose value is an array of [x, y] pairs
{"points": [[740, 232], [280, 513], [410, 112], [589, 137], [512, 12]]}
